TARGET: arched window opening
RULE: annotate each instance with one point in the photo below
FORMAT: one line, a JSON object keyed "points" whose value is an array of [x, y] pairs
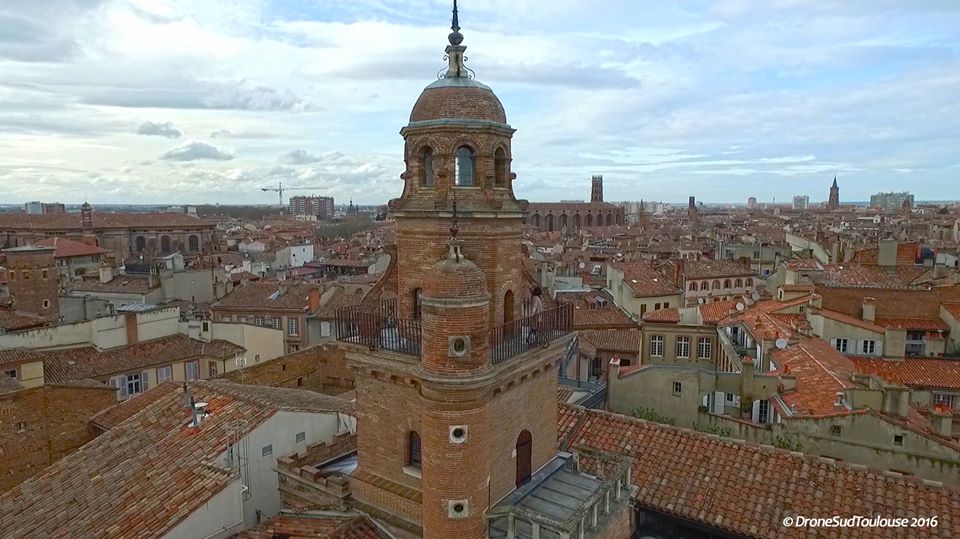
{"points": [[704, 285], [165, 244], [524, 458], [508, 307], [141, 244], [417, 303], [576, 221], [563, 221], [739, 283], [465, 167], [535, 220], [414, 455], [749, 281], [426, 167], [619, 219], [609, 219], [194, 242], [500, 168], [589, 219], [716, 285], [549, 222], [693, 287], [726, 283]]}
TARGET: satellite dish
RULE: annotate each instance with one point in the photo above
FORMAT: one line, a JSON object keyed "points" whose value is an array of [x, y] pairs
{"points": [[755, 296], [740, 306], [582, 265], [781, 343]]}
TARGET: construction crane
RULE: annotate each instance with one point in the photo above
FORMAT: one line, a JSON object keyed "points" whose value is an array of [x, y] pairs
{"points": [[279, 189]]}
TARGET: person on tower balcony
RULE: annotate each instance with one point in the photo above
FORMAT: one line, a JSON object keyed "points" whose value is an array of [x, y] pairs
{"points": [[536, 314]]}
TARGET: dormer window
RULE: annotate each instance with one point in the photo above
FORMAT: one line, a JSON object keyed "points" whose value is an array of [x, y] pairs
{"points": [[426, 167], [465, 167]]}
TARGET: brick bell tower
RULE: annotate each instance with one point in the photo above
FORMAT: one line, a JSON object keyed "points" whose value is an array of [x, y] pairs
{"points": [[455, 409]]}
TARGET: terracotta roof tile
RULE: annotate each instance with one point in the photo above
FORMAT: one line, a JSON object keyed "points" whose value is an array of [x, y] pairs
{"points": [[919, 324], [71, 221], [820, 371], [146, 474], [851, 320], [68, 248], [14, 321], [913, 372], [867, 276], [747, 489], [709, 269], [614, 340], [663, 316], [953, 309], [713, 313], [307, 526], [118, 413], [88, 362], [266, 295], [121, 284], [644, 280]]}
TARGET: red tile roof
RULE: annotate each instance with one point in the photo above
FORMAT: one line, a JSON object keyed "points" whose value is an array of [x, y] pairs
{"points": [[307, 526], [748, 489], [663, 316], [953, 309], [913, 372], [88, 362], [709, 269], [844, 318], [121, 284], [148, 473], [13, 321], [68, 248], [71, 221], [644, 280], [806, 288], [919, 324], [820, 371], [118, 413], [264, 295], [858, 275], [713, 313], [613, 340]]}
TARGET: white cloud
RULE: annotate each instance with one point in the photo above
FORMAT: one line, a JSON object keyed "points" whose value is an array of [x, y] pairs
{"points": [[160, 129], [195, 150], [298, 157]]}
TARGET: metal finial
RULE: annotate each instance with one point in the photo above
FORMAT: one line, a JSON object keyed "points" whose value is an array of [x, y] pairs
{"points": [[455, 25]]}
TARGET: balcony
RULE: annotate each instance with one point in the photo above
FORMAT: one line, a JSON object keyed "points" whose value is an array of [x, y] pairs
{"points": [[514, 338], [378, 330]]}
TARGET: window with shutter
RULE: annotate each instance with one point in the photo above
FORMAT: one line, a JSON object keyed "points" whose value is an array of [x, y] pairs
{"points": [[143, 378]]}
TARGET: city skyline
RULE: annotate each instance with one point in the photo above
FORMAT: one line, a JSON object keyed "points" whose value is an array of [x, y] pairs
{"points": [[117, 101]]}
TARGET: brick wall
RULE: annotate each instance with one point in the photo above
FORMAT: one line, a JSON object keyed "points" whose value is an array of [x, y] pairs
{"points": [[34, 281], [42, 425], [320, 368], [620, 525]]}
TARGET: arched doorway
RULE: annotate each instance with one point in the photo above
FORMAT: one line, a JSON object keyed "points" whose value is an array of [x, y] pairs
{"points": [[508, 307], [524, 458]]}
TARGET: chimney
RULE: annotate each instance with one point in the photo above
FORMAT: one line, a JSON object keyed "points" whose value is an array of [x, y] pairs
{"points": [[816, 301], [613, 371], [106, 274], [133, 330], [868, 310], [746, 376], [313, 302], [887, 253], [941, 419], [896, 400], [281, 289]]}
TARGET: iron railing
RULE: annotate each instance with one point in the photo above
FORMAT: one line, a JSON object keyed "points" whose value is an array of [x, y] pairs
{"points": [[379, 329], [516, 337]]}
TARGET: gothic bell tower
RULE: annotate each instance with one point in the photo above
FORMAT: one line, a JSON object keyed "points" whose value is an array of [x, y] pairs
{"points": [[456, 408]]}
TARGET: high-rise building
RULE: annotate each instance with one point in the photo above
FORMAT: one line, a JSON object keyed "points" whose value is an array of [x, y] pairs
{"points": [[322, 207], [891, 201], [751, 203], [596, 189], [39, 208], [801, 202], [834, 201]]}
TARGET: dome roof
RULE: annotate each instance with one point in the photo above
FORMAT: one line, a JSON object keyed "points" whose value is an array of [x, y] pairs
{"points": [[458, 98], [454, 278]]}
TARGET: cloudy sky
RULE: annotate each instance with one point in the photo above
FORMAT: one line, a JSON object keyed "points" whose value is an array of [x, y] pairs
{"points": [[174, 101]]}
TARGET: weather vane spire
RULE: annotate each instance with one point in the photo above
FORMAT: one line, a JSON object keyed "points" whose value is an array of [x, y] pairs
{"points": [[455, 25]]}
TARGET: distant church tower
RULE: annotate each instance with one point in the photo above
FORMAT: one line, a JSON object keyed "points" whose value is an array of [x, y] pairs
{"points": [[834, 201], [596, 188]]}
